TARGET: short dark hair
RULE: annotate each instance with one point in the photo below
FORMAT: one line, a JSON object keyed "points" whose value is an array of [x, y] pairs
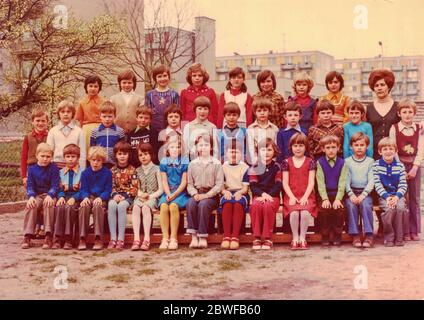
{"points": [[234, 73], [356, 105], [159, 70], [172, 108], [71, 148], [146, 148], [143, 110], [386, 75], [261, 103], [299, 138], [201, 101], [206, 137], [334, 74], [92, 79], [325, 105], [231, 107], [359, 136], [262, 77], [127, 75], [122, 146], [292, 106]]}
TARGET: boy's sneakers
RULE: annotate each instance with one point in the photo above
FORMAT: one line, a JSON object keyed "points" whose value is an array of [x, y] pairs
{"points": [[389, 243], [26, 243], [399, 243], [325, 241], [337, 240], [111, 245], [257, 244], [368, 242], [120, 245], [56, 243], [98, 245], [82, 245], [407, 237], [48, 242], [357, 242], [203, 243], [67, 245], [415, 237]]}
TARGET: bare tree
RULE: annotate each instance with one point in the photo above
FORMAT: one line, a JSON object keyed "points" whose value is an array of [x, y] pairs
{"points": [[16, 15], [53, 61], [156, 34]]}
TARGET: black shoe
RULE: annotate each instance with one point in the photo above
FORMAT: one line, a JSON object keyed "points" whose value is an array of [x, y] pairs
{"points": [[337, 240], [324, 241]]}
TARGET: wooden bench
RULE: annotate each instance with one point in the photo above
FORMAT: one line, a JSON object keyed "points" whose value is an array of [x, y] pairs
{"points": [[282, 233]]}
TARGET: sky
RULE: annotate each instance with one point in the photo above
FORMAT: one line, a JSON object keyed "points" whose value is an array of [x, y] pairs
{"points": [[343, 29]]}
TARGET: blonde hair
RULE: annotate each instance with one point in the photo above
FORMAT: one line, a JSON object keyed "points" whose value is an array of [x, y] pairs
{"points": [[44, 147], [329, 140], [66, 104], [97, 152], [386, 142], [303, 77], [406, 103], [108, 107]]}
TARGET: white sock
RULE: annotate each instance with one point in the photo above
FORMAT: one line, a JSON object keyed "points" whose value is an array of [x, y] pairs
{"points": [[304, 224], [294, 224], [136, 221]]}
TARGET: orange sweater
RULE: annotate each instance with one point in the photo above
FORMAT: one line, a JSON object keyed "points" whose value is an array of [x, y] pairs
{"points": [[88, 110]]}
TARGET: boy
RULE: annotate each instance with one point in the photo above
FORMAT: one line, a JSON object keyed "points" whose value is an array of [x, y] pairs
{"points": [[359, 184], [64, 133], [199, 126], [107, 134], [390, 184], [39, 119], [261, 129], [292, 114], [96, 187], [331, 182], [68, 198], [42, 188], [356, 112], [38, 134], [409, 140], [141, 134], [324, 127], [231, 130], [126, 101]]}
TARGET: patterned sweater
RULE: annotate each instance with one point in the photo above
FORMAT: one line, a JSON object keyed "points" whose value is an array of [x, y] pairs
{"points": [[389, 178]]}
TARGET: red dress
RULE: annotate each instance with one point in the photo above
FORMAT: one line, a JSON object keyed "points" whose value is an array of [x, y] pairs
{"points": [[298, 182]]}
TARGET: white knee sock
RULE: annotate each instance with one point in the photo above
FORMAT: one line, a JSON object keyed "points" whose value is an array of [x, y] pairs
{"points": [[294, 224], [304, 224], [136, 221], [147, 222]]}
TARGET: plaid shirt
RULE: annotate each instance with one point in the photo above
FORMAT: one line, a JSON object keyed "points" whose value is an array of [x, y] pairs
{"points": [[276, 114], [316, 133]]}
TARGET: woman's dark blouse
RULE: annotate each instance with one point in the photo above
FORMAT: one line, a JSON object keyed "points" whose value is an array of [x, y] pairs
{"points": [[381, 125]]}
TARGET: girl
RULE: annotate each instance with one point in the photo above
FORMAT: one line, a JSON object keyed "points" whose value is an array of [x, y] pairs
{"points": [[126, 101], [302, 86], [173, 170], [267, 85], [160, 98], [236, 92], [88, 111], [235, 199], [298, 183], [197, 77], [124, 189], [205, 180], [265, 184], [172, 117], [149, 189], [335, 83]]}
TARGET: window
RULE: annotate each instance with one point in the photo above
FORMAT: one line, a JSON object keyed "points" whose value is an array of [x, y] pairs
{"points": [[306, 59], [272, 61], [289, 60], [338, 66], [221, 77], [354, 65]]}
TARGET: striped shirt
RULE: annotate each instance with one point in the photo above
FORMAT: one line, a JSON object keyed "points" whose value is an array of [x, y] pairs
{"points": [[389, 178], [107, 138]]}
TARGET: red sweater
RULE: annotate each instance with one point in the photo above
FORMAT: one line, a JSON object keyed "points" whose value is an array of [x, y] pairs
{"points": [[187, 97], [222, 102]]}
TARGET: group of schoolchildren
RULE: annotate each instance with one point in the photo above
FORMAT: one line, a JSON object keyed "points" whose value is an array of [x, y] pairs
{"points": [[236, 154]]}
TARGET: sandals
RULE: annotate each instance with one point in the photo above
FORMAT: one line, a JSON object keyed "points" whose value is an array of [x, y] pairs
{"points": [[234, 244], [135, 245], [303, 245], [120, 245], [164, 244], [145, 246], [173, 244], [111, 245], [294, 245], [266, 245], [257, 244], [225, 244]]}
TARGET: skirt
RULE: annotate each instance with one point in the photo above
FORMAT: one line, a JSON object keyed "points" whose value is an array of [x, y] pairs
{"points": [[244, 201]]}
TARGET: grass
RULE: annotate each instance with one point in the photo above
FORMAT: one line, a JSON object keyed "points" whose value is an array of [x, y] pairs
{"points": [[94, 268], [118, 278], [229, 265], [123, 262], [146, 272]]}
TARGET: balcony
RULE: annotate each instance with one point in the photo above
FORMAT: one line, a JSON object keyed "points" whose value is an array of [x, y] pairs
{"points": [[221, 69], [412, 80], [305, 66], [412, 92], [366, 95], [364, 81], [412, 68], [366, 69], [254, 68], [397, 68], [287, 66]]}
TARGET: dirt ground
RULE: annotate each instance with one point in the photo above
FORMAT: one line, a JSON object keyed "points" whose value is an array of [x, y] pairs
{"points": [[320, 273]]}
